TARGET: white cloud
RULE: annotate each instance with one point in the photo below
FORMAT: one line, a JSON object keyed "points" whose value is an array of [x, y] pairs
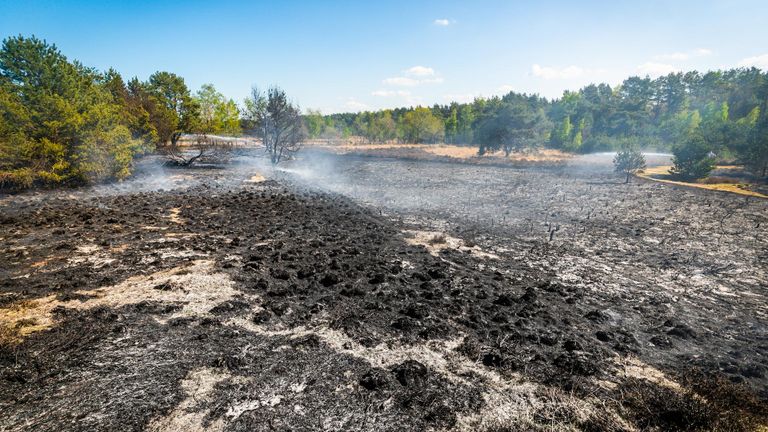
{"points": [[442, 22], [549, 73], [654, 69], [355, 105], [420, 71], [506, 88], [414, 76], [760, 61], [401, 81], [687, 55], [389, 93]]}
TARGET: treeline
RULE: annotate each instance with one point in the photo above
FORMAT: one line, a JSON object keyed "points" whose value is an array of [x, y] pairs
{"points": [[65, 123], [720, 113]]}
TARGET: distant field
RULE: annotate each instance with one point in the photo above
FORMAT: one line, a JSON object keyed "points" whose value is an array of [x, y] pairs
{"points": [[446, 151]]}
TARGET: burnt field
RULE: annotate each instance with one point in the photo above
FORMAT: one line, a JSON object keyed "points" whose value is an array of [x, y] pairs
{"points": [[374, 294]]}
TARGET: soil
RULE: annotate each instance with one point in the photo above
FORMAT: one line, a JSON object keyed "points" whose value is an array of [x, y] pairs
{"points": [[342, 293]]}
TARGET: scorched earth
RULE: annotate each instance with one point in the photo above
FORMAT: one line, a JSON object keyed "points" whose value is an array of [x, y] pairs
{"points": [[383, 295]]}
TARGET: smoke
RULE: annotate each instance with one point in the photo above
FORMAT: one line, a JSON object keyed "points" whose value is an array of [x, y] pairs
{"points": [[314, 169], [602, 162]]}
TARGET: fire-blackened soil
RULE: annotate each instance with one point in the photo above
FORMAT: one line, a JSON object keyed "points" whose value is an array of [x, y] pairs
{"points": [[420, 297]]}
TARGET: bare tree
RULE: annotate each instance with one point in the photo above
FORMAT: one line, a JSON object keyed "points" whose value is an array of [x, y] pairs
{"points": [[277, 122], [202, 148]]}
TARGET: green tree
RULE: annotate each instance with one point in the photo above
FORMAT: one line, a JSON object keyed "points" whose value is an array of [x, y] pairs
{"points": [[561, 135], [314, 122], [381, 127], [512, 127], [420, 125], [137, 117], [217, 115], [178, 112], [756, 152], [61, 122], [452, 124]]}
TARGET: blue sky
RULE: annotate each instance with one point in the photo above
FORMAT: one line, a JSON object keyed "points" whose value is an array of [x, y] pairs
{"points": [[353, 55]]}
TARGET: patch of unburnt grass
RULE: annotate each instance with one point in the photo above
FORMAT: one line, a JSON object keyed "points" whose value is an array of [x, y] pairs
{"points": [[703, 402]]}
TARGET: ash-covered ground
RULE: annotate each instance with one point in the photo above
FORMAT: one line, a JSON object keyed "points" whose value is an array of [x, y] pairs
{"points": [[342, 293]]}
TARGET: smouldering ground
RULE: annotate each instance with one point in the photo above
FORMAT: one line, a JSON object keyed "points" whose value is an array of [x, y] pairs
{"points": [[419, 296]]}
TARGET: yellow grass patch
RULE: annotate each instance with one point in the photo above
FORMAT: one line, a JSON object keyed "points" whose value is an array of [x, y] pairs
{"points": [[25, 317], [452, 151], [41, 263], [256, 178], [194, 287], [174, 215], [632, 367], [654, 173], [119, 248]]}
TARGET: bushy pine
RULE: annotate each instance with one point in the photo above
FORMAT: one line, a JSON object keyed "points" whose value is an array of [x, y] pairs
{"points": [[59, 123], [693, 159]]}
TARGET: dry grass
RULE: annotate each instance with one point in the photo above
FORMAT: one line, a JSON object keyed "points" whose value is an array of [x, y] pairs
{"points": [[256, 178], [198, 386], [24, 317], [174, 215], [463, 153], [531, 407], [661, 174], [435, 242], [196, 288], [631, 367]]}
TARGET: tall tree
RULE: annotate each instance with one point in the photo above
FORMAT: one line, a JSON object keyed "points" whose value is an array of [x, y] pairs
{"points": [[512, 127], [217, 115], [420, 125], [178, 112]]}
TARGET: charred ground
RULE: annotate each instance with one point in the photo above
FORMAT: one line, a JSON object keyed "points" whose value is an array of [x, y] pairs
{"points": [[442, 301]]}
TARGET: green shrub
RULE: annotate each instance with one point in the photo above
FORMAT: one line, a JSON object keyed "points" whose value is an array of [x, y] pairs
{"points": [[692, 159]]}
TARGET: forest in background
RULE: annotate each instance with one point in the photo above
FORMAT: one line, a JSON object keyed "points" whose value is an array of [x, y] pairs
{"points": [[64, 123], [718, 114]]}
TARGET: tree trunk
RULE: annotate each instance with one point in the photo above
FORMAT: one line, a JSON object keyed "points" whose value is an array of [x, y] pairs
{"points": [[175, 138], [628, 175]]}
